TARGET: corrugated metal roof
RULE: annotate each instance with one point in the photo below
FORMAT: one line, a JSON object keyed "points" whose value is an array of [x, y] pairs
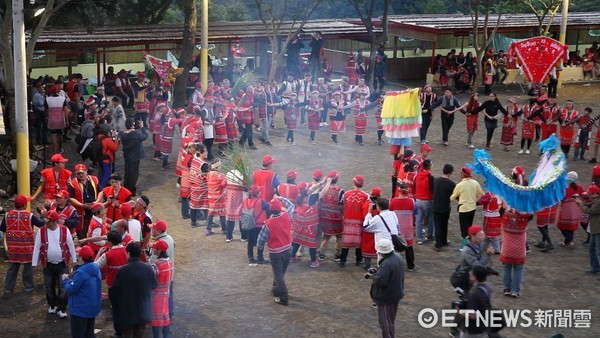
{"points": [[218, 32], [453, 22]]}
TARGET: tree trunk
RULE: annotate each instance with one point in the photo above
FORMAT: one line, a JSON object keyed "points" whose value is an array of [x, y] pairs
{"points": [[187, 52], [480, 75], [274, 58], [370, 78]]}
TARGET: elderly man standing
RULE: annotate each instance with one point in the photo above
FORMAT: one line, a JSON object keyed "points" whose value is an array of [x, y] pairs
{"points": [[266, 178], [388, 285], [83, 190], [468, 191], [17, 226]]}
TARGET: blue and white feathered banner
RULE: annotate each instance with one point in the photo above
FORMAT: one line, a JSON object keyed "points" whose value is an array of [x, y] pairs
{"points": [[548, 182]]}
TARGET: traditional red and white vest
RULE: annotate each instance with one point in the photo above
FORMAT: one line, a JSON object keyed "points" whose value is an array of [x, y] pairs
{"points": [[280, 232], [78, 190], [568, 116], [19, 236], [358, 104], [289, 191], [112, 213], [95, 223], [62, 244], [246, 102], [52, 185], [65, 213], [116, 257], [264, 178]]}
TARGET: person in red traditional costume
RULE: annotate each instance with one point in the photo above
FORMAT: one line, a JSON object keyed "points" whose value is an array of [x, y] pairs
{"points": [[513, 253], [235, 197], [289, 189], [596, 139], [337, 116], [545, 218], [585, 128], [168, 122], [492, 219], [141, 213], [17, 226], [184, 183], [140, 98], [314, 110], [292, 113], [567, 118], [509, 124], [221, 110], [350, 70], [472, 118], [217, 196], [409, 177], [305, 221], [423, 189], [260, 209], [190, 132], [549, 115], [331, 211], [353, 201], [198, 186], [367, 245], [360, 116], [112, 197], [109, 259], [425, 150], [133, 228], [404, 208], [527, 126], [53, 179], [197, 99], [569, 214], [83, 190], [245, 116], [266, 178], [54, 250], [163, 269], [277, 234], [156, 126], [96, 228], [359, 89], [230, 123], [68, 214]]}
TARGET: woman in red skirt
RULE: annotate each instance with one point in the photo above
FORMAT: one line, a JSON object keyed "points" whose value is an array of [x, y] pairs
{"points": [[570, 214], [221, 138], [513, 253], [291, 113], [509, 122], [367, 244], [567, 118], [491, 219], [360, 117], [527, 127], [305, 221], [472, 118], [314, 110], [545, 218]]}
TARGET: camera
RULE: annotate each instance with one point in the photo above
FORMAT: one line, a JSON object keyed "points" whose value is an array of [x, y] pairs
{"points": [[103, 105], [369, 273], [461, 302], [110, 197], [136, 125]]}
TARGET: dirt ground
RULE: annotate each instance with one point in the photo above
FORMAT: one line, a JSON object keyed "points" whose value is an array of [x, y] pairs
{"points": [[218, 295]]}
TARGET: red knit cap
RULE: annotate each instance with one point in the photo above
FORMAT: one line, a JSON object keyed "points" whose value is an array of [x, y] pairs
{"points": [[474, 230]]}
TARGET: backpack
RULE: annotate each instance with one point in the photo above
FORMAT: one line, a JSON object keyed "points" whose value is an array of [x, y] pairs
{"points": [[248, 220], [97, 155]]}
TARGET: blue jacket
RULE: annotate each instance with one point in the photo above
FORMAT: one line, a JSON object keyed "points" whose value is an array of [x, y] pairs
{"points": [[84, 291]]}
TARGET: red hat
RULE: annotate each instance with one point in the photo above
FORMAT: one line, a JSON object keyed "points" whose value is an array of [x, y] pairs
{"points": [[518, 170], [85, 252], [160, 245], [167, 84], [198, 84], [474, 230], [317, 174], [275, 205], [54, 89], [302, 186], [466, 171], [160, 225], [80, 168], [141, 74], [426, 147], [90, 101], [126, 209], [593, 189], [209, 98], [21, 200], [267, 160], [96, 206], [333, 174], [596, 170], [52, 215], [358, 180], [291, 174], [58, 158], [254, 189], [376, 192], [63, 194]]}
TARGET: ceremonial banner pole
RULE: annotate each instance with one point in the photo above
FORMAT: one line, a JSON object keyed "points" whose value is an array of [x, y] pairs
{"points": [[204, 49]]}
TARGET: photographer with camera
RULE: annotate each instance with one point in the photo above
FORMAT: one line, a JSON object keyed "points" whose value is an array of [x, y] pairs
{"points": [[479, 300], [388, 285]]}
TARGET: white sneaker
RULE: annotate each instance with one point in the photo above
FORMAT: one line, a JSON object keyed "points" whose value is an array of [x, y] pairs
{"points": [[521, 152], [52, 309], [62, 314], [228, 241], [527, 151], [325, 123], [471, 146]]}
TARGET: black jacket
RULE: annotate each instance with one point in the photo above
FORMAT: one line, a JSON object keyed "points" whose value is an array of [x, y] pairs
{"points": [[133, 149], [388, 281], [131, 294]]}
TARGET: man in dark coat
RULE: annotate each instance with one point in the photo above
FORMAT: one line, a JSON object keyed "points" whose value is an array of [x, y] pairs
{"points": [[132, 291], [388, 285], [133, 152]]}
